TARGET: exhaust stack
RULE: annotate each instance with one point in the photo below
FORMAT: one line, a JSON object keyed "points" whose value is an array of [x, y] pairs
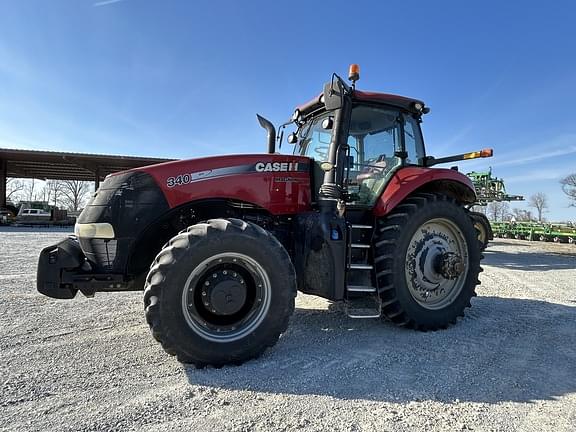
{"points": [[266, 124]]}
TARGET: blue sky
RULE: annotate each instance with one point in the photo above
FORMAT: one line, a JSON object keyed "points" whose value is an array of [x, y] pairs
{"points": [[185, 79]]}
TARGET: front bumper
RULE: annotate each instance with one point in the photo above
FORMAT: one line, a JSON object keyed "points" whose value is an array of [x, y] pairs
{"points": [[66, 255], [63, 271]]}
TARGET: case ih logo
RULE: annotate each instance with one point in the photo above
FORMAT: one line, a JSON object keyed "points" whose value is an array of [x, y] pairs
{"points": [[276, 166]]}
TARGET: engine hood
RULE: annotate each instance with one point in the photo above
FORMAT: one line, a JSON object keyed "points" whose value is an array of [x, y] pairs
{"points": [[278, 183]]}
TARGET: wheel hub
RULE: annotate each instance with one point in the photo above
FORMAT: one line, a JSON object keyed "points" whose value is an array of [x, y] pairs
{"points": [[224, 292], [226, 297], [435, 263], [449, 265]]}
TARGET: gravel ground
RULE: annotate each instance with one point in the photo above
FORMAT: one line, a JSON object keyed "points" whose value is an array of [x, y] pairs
{"points": [[91, 364]]}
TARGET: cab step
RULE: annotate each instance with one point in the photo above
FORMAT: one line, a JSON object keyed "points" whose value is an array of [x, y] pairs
{"points": [[360, 246], [363, 307], [361, 267], [360, 289]]}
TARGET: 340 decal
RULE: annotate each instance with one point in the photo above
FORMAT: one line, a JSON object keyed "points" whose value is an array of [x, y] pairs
{"points": [[178, 180], [184, 179]]}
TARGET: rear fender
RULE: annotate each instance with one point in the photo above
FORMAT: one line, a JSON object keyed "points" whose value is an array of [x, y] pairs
{"points": [[409, 180]]}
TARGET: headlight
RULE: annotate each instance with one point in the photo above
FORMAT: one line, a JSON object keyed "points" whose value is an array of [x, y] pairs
{"points": [[94, 230]]}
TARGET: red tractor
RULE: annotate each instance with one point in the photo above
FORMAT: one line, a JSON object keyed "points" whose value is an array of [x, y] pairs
{"points": [[220, 245]]}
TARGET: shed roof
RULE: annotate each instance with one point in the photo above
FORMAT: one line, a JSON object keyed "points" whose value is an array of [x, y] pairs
{"points": [[68, 166]]}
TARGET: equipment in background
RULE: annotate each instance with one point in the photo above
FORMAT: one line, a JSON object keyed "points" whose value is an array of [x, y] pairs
{"points": [[535, 231], [40, 213], [488, 189]]}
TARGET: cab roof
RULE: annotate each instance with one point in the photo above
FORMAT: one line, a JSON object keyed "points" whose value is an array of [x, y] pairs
{"points": [[364, 96]]}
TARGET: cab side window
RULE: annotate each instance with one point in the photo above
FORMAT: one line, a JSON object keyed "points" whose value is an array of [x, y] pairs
{"points": [[413, 140]]}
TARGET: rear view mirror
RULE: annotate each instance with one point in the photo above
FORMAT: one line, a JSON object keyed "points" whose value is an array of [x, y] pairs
{"points": [[333, 94]]}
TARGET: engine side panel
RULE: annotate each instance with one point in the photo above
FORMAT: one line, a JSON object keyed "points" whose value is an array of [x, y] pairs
{"points": [[407, 180], [277, 183]]}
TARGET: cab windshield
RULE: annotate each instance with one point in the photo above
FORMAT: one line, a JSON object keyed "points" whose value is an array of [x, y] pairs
{"points": [[313, 139]]}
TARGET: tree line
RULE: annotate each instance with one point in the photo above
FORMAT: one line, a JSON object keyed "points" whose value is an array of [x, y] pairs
{"points": [[71, 195]]}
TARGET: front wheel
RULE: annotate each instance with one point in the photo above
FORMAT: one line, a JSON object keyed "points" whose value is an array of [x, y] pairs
{"points": [[427, 257], [220, 293]]}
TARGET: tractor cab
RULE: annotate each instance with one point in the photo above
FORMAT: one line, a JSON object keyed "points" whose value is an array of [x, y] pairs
{"points": [[382, 137], [360, 141]]}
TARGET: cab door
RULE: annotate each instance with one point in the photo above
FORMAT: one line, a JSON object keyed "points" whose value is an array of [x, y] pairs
{"points": [[378, 137]]}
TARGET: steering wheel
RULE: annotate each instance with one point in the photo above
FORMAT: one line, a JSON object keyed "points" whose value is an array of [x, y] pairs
{"points": [[374, 170]]}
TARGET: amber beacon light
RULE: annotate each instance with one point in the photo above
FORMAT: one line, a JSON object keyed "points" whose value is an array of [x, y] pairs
{"points": [[354, 72]]}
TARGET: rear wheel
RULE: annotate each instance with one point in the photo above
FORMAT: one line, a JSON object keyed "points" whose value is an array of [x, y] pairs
{"points": [[220, 293], [427, 260]]}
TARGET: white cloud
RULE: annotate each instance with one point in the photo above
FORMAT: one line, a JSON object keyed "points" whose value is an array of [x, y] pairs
{"points": [[106, 2], [538, 155], [540, 174]]}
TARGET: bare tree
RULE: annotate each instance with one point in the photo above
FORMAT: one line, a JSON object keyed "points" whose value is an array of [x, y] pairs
{"points": [[30, 192], [498, 211], [74, 194], [569, 187], [493, 210], [540, 202], [52, 192], [505, 214], [522, 215], [14, 189]]}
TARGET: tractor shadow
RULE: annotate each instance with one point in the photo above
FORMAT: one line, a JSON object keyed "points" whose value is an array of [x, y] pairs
{"points": [[505, 349], [529, 261]]}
